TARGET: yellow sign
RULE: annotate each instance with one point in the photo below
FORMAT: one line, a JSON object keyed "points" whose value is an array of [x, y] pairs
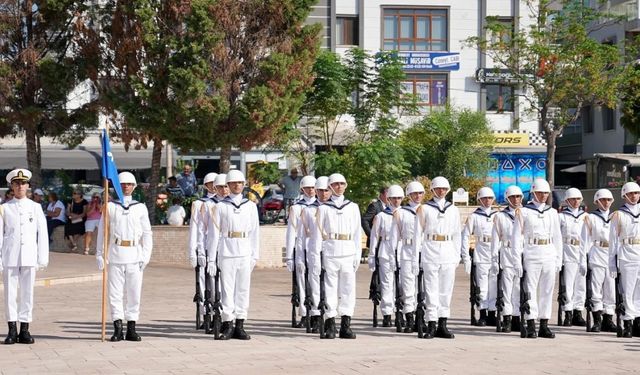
{"points": [[510, 139]]}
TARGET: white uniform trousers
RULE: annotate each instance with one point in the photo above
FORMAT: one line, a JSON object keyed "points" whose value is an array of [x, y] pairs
{"points": [[511, 291], [540, 275], [300, 280], [340, 286], [125, 278], [235, 283], [603, 289], [488, 284], [630, 283], [314, 285], [576, 287], [408, 283], [22, 278], [438, 285], [387, 284]]}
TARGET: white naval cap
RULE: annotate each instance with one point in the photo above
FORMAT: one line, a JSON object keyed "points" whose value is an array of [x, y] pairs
{"points": [[209, 177], [19, 174]]}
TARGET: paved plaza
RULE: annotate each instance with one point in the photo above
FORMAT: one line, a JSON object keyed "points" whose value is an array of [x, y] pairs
{"points": [[67, 334]]}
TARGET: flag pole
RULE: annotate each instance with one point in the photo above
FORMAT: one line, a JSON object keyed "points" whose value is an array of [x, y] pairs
{"points": [[105, 247]]}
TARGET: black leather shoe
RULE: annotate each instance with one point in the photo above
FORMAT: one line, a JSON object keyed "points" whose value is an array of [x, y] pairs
{"points": [[568, 319], [544, 331], [607, 323], [329, 329], [597, 322], [386, 321], [239, 333], [12, 336], [442, 331], [491, 319], [131, 332], [506, 324], [578, 320], [226, 331], [483, 318], [635, 330], [408, 328], [302, 323], [345, 327], [627, 329], [315, 324], [431, 330], [531, 329], [117, 331], [25, 337], [515, 323]]}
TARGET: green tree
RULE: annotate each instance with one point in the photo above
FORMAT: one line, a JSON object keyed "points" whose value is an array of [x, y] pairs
{"points": [[560, 68], [40, 66], [451, 142], [630, 97]]}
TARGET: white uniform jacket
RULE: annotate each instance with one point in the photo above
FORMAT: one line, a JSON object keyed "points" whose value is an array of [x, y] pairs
{"points": [[437, 233], [236, 232], [339, 225], [294, 234], [595, 238], [501, 239], [480, 225], [536, 232], [404, 221], [24, 241], [624, 236], [198, 225], [130, 237], [382, 233], [571, 224]]}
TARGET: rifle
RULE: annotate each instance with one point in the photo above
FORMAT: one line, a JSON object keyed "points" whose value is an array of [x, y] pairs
{"points": [[474, 291], [217, 306], [524, 301], [499, 298], [208, 303], [399, 295], [375, 292], [322, 306], [620, 309], [295, 295], [197, 298], [421, 310], [562, 295], [588, 304], [308, 302]]}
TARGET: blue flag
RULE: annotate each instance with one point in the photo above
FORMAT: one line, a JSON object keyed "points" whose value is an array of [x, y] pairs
{"points": [[109, 169]]}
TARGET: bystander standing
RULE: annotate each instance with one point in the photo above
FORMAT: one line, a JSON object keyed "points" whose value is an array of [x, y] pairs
{"points": [[187, 181], [176, 213], [94, 214]]}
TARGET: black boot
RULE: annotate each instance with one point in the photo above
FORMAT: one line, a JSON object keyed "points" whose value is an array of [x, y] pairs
{"points": [[627, 329], [597, 321], [635, 331], [408, 328], [442, 330], [515, 323], [239, 333], [315, 324], [607, 323], [568, 318], [131, 332], [302, 323], [431, 330], [491, 319], [545, 332], [483, 318], [12, 336], [506, 325], [577, 319], [386, 321], [226, 330], [329, 329], [345, 327], [25, 337], [531, 329], [117, 331]]}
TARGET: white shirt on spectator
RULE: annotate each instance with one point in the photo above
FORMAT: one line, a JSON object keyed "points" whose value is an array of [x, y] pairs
{"points": [[176, 215], [58, 204]]}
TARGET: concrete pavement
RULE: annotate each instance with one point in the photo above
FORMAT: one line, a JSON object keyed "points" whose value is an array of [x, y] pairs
{"points": [[67, 333]]}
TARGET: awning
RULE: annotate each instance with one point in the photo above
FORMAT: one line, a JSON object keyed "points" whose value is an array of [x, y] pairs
{"points": [[581, 168], [80, 158]]}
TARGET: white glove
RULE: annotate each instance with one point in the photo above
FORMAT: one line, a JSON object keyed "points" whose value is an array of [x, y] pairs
{"points": [[290, 265], [372, 263], [211, 268], [518, 268], [356, 264], [414, 268], [193, 261], [467, 266], [202, 261], [583, 269], [253, 263], [613, 271], [494, 269], [41, 266], [100, 261]]}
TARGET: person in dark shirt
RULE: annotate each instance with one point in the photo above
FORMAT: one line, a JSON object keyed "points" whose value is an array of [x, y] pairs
{"points": [[373, 209], [174, 189]]}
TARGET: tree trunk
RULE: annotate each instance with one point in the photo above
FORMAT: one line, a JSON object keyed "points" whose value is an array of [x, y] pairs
{"points": [[34, 158], [551, 159], [156, 157], [225, 159]]}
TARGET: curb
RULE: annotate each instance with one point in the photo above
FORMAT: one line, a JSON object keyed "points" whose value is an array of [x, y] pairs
{"points": [[51, 281]]}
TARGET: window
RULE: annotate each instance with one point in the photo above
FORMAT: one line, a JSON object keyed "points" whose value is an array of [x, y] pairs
{"points": [[504, 33], [499, 98], [608, 118], [587, 119], [415, 30], [429, 89], [347, 31]]}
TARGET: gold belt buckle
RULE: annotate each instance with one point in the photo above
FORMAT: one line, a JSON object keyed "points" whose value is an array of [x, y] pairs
{"points": [[408, 241], [439, 237], [344, 237], [485, 239], [541, 241], [125, 243], [574, 242], [237, 235], [604, 244], [635, 241]]}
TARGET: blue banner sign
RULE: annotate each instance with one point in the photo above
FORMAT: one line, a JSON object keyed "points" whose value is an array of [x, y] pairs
{"points": [[430, 60]]}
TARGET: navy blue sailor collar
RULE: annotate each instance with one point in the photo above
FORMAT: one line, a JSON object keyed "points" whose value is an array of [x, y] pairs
{"points": [[530, 205], [431, 202], [568, 211]]}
